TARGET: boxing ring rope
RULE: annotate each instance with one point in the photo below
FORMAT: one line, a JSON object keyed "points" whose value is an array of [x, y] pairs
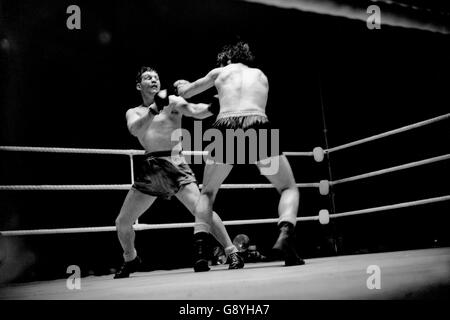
{"points": [[130, 153], [71, 150], [391, 207], [323, 218], [317, 153], [128, 186], [392, 169], [314, 153], [299, 153], [389, 133], [139, 227]]}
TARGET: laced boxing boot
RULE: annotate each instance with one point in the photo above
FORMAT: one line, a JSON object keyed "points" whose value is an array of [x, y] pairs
{"points": [[127, 268], [201, 252], [236, 261], [285, 245]]}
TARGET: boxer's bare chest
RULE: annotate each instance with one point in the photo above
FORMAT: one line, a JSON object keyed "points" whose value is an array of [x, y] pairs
{"points": [[158, 134]]}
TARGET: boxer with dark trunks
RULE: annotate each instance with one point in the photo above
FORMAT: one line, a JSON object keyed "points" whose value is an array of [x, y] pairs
{"points": [[242, 93], [164, 173], [159, 176]]}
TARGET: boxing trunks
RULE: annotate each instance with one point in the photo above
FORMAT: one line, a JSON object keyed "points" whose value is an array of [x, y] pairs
{"points": [[157, 174], [253, 124]]}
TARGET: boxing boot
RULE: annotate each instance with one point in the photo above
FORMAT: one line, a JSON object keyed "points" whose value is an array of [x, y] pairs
{"points": [[127, 268], [201, 252], [285, 245], [236, 261]]}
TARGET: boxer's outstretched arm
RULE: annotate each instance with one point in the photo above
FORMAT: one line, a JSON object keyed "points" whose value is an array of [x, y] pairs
{"points": [[187, 90], [194, 110]]}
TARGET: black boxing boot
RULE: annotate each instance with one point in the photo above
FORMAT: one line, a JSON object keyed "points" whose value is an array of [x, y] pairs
{"points": [[201, 246], [127, 268], [285, 245], [236, 261]]}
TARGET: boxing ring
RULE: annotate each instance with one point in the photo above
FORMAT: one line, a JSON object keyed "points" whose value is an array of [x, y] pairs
{"points": [[404, 274]]}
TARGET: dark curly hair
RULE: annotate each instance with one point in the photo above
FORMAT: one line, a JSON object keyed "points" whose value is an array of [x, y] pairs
{"points": [[237, 53], [142, 71]]}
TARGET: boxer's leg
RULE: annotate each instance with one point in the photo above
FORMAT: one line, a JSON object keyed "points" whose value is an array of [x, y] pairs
{"points": [[135, 204], [214, 175], [283, 180], [189, 196]]}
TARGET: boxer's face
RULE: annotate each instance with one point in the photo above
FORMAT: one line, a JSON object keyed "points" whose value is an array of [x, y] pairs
{"points": [[149, 82]]}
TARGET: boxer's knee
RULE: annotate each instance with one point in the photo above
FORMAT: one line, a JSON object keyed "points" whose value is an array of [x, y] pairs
{"points": [[289, 201], [209, 194], [123, 224], [290, 189]]}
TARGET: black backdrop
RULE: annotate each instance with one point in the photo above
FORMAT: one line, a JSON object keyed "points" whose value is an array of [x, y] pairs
{"points": [[71, 88]]}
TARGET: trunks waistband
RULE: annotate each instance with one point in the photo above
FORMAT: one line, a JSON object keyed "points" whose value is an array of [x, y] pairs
{"points": [[228, 114]]}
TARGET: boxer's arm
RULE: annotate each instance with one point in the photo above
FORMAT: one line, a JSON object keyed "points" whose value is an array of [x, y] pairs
{"points": [[187, 90], [194, 110], [136, 120]]}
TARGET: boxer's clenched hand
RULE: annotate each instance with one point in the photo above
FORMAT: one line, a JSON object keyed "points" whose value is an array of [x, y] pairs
{"points": [[161, 100], [179, 84]]}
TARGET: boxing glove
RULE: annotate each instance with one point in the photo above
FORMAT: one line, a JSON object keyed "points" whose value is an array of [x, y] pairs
{"points": [[161, 100]]}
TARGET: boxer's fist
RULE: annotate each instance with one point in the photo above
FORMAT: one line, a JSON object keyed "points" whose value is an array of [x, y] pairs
{"points": [[161, 100], [180, 83], [214, 106]]}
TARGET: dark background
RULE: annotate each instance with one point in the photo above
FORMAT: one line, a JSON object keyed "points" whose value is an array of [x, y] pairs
{"points": [[71, 88]]}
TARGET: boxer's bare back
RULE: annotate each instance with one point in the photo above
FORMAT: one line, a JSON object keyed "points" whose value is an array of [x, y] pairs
{"points": [[240, 88]]}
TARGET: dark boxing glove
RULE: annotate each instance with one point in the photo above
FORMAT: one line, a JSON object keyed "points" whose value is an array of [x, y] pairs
{"points": [[214, 107], [173, 90], [153, 110], [161, 100]]}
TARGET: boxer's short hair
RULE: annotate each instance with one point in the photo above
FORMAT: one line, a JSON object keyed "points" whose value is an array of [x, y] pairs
{"points": [[142, 71]]}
